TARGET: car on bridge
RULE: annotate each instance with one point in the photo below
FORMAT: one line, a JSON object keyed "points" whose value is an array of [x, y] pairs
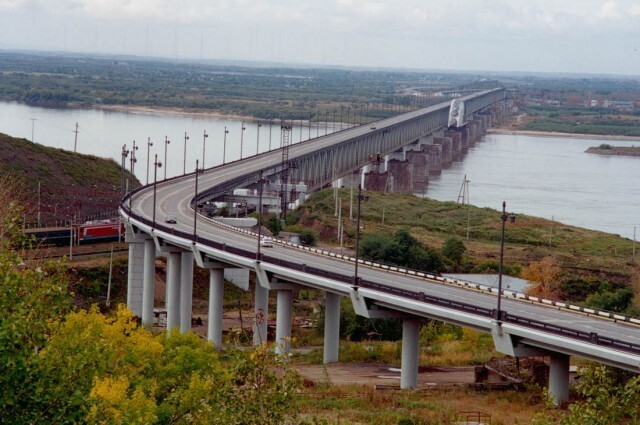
{"points": [[266, 242]]}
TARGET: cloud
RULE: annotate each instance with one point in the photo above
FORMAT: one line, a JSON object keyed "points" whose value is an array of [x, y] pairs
{"points": [[12, 4]]}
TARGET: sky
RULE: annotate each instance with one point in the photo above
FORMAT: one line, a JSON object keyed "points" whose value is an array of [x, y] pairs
{"points": [[573, 36]]}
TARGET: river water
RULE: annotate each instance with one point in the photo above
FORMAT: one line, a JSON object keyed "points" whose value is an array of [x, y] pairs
{"points": [[549, 177]]}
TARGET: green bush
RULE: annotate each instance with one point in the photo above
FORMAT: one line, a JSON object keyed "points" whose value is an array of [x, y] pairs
{"points": [[617, 301], [453, 249], [307, 237]]}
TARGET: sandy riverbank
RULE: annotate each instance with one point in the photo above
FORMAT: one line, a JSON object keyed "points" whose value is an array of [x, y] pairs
{"points": [[557, 134], [165, 110]]}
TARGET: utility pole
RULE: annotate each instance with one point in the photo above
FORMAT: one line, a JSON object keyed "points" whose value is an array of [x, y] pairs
{"points": [[38, 205], [285, 131], [634, 244], [224, 145], [149, 144], [33, 126], [166, 143], [204, 143], [258, 139], [75, 141], [132, 169], [125, 153], [242, 129], [184, 161]]}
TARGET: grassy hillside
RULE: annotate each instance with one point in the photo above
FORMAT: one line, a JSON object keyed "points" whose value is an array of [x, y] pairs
{"points": [[70, 183]]}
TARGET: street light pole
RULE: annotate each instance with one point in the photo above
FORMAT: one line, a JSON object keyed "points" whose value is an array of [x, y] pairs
{"points": [[504, 217], [224, 143], [258, 139], [242, 129], [166, 143], [195, 205], [132, 168], [361, 198], [184, 161], [261, 181], [156, 164], [149, 144], [125, 154], [204, 144]]}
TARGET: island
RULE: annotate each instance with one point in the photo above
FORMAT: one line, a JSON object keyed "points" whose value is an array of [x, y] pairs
{"points": [[606, 149]]}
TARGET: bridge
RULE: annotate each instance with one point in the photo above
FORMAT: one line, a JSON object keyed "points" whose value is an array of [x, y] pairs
{"points": [[524, 327]]}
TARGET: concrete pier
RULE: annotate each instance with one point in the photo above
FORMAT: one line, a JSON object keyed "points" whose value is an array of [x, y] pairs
{"points": [[331, 328], [283, 321], [216, 292], [135, 277], [410, 352], [186, 291], [260, 315], [148, 287], [559, 377], [173, 291]]}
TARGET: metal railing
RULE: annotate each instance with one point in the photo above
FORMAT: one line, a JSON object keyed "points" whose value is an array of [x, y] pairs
{"points": [[588, 337]]}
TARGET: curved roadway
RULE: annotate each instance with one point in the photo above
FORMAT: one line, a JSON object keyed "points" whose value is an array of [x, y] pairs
{"points": [[174, 197]]}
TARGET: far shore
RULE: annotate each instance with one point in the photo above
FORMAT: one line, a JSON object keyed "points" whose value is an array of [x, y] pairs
{"points": [[558, 134], [167, 110]]}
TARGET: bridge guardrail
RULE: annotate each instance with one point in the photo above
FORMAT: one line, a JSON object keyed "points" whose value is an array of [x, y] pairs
{"points": [[592, 338], [459, 282]]}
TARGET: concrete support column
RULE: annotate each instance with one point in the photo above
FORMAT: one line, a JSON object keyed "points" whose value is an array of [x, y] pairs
{"points": [[135, 277], [559, 377], [283, 322], [173, 291], [410, 351], [260, 315], [331, 328], [148, 285], [186, 291], [214, 326]]}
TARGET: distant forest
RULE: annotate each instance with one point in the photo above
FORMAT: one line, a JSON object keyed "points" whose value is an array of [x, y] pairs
{"points": [[61, 81]]}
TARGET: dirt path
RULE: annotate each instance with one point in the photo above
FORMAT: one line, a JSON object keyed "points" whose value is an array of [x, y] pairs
{"points": [[380, 374]]}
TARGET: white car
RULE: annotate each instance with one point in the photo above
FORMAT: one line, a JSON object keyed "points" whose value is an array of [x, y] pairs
{"points": [[266, 242]]}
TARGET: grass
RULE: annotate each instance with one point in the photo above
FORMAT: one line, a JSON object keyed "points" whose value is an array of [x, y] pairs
{"points": [[71, 183], [432, 222], [364, 405]]}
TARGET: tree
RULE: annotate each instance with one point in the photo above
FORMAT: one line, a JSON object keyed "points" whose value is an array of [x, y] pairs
{"points": [[607, 397], [65, 366], [453, 249], [402, 250], [546, 273]]}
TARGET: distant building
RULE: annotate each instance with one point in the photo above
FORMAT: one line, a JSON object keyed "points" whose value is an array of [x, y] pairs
{"points": [[620, 105]]}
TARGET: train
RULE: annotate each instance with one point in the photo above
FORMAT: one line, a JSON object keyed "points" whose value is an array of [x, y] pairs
{"points": [[90, 232]]}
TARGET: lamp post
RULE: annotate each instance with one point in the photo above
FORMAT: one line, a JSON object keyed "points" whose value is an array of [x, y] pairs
{"points": [[242, 129], [224, 145], [270, 126], [361, 198], [184, 160], [261, 181], [504, 217], [125, 154], [156, 165], [149, 144], [204, 144], [132, 169], [258, 139], [166, 143], [195, 205]]}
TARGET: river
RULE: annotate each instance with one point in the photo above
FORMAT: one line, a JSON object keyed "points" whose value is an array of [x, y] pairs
{"points": [[549, 177]]}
